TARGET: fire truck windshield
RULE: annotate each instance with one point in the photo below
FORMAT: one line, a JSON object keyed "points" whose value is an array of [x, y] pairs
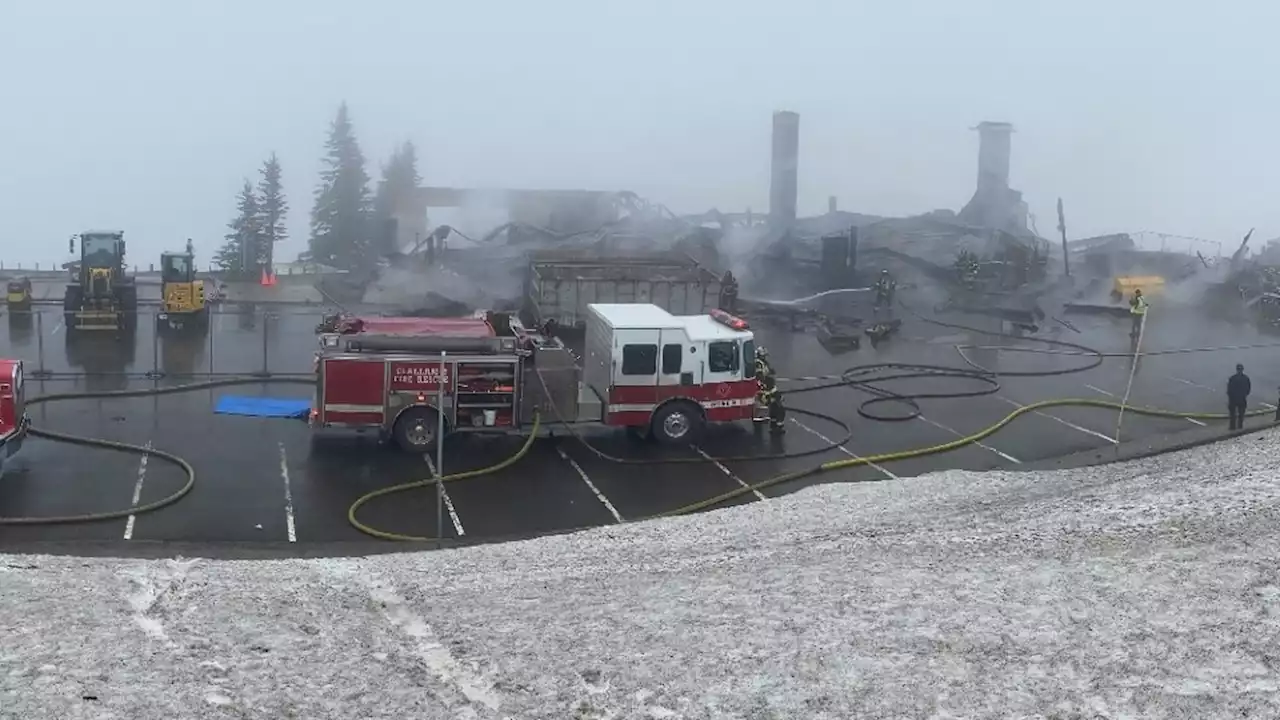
{"points": [[723, 357]]}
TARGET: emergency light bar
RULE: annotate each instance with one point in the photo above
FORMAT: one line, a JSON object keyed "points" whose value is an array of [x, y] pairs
{"points": [[729, 321]]}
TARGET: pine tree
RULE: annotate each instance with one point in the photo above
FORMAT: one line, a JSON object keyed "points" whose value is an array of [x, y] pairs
{"points": [[273, 211], [340, 217], [237, 257], [400, 180]]}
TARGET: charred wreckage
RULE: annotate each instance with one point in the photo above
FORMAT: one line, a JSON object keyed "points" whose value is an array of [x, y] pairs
{"points": [[836, 274]]}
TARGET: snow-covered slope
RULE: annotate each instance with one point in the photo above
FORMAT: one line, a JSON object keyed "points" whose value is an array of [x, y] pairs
{"points": [[1144, 590]]}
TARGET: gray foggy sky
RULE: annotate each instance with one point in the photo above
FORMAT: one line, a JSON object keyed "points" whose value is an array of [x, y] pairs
{"points": [[146, 115]]}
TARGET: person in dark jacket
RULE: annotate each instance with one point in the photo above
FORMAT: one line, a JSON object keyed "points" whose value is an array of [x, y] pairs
{"points": [[1238, 388]]}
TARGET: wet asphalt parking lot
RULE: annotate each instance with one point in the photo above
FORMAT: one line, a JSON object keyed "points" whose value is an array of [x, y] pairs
{"points": [[271, 480]]}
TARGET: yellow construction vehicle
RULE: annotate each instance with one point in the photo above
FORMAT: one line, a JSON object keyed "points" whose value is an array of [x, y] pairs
{"points": [[18, 293], [19, 296], [101, 296], [182, 293]]}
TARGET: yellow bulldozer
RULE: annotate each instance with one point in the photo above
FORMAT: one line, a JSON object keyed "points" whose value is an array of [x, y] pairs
{"points": [[182, 293]]}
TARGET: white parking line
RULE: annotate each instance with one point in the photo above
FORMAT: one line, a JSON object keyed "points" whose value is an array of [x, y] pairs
{"points": [[1057, 419], [1193, 421], [844, 449], [290, 528], [1268, 406], [595, 490], [448, 501], [137, 494], [959, 434], [720, 466]]}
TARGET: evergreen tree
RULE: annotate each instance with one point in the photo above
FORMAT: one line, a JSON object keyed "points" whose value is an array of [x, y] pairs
{"points": [[273, 211], [340, 217], [400, 180], [238, 256]]}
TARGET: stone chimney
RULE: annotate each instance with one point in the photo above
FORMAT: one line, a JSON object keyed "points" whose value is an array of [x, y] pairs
{"points": [[783, 186]]}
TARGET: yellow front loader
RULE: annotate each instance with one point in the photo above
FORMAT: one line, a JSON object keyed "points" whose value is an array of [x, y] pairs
{"points": [[101, 296]]}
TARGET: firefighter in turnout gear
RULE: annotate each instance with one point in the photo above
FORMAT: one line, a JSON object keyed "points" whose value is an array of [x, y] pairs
{"points": [[771, 398], [763, 368], [967, 268], [729, 293], [764, 374], [1138, 311], [885, 288]]}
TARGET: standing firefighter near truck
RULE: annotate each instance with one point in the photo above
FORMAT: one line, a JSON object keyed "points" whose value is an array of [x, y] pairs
{"points": [[1138, 311], [1238, 387], [771, 398], [764, 374], [764, 369]]}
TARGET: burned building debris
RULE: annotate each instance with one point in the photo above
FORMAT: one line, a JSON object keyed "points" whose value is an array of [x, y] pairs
{"points": [[986, 258]]}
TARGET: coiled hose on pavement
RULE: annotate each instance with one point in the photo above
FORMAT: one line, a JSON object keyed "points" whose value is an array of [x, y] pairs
{"points": [[188, 471], [866, 378]]}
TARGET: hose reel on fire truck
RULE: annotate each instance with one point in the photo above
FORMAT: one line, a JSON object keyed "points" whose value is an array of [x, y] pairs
{"points": [[428, 345]]}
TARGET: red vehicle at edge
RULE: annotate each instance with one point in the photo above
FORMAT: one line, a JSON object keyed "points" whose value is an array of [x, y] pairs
{"points": [[14, 421]]}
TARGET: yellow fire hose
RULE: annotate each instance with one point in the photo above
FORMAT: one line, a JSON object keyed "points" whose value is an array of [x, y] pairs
{"points": [[190, 471], [773, 481]]}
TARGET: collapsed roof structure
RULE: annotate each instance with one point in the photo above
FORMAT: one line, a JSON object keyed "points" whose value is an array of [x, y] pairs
{"points": [[484, 269]]}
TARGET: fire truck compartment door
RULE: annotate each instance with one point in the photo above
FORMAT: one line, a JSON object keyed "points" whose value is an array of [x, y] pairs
{"points": [[355, 389], [679, 362], [636, 361]]}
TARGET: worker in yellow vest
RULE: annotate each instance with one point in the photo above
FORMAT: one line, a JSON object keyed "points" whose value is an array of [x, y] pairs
{"points": [[1138, 311]]}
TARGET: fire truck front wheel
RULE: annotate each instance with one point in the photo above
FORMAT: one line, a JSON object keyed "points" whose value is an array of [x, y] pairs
{"points": [[415, 430], [677, 423]]}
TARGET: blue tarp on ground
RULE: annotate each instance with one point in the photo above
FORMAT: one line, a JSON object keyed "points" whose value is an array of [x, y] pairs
{"points": [[263, 406]]}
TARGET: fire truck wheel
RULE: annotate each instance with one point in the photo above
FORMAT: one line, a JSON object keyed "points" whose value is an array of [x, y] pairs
{"points": [[415, 430], [679, 423]]}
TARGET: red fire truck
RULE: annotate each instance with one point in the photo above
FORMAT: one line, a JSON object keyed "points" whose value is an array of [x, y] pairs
{"points": [[14, 421], [643, 369]]}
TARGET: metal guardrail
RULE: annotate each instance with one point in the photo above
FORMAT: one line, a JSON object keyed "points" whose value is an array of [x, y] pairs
{"points": [[59, 269], [243, 342]]}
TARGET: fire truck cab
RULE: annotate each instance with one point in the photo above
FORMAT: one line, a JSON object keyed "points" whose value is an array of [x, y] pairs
{"points": [[643, 368], [668, 374]]}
